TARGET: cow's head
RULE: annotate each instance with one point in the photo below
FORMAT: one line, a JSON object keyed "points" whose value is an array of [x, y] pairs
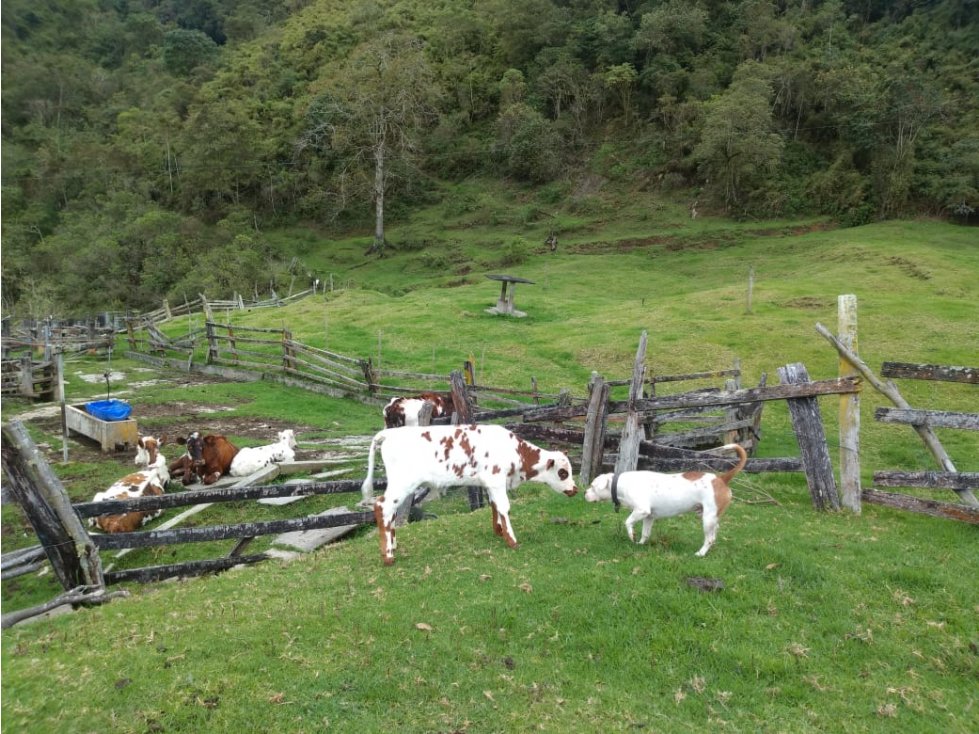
{"points": [[147, 448], [195, 448], [557, 474]]}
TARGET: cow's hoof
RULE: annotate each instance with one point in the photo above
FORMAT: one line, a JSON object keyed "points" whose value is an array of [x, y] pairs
{"points": [[388, 561]]}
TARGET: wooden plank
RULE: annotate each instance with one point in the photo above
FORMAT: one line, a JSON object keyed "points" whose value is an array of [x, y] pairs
{"points": [[933, 508], [148, 538], [969, 375], [222, 494], [849, 408], [928, 479], [187, 569], [932, 418], [808, 425]]}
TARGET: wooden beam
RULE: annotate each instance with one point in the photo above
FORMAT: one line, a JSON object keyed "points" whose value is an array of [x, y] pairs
{"points": [[968, 375], [808, 425], [41, 495], [190, 568], [147, 538], [849, 408], [928, 479], [632, 431], [922, 506], [222, 494], [931, 418]]}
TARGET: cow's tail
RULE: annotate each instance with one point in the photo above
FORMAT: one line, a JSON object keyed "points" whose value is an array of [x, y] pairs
{"points": [[367, 488], [742, 460]]}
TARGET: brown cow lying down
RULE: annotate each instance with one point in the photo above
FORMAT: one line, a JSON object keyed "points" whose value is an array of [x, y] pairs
{"points": [[208, 458]]}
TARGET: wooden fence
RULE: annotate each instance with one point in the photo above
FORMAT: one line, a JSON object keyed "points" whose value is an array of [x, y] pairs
{"points": [[922, 421], [32, 379]]}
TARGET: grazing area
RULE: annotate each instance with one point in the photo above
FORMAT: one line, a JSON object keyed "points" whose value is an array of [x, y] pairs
{"points": [[797, 620]]}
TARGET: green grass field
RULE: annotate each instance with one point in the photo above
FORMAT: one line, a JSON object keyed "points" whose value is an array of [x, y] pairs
{"points": [[825, 622]]}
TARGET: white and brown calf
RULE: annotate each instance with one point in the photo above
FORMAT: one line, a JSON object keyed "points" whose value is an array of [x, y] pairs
{"points": [[150, 481], [405, 410], [651, 495], [252, 458], [437, 457]]}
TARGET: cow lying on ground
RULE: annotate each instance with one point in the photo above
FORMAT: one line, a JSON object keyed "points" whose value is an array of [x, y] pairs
{"points": [[150, 481], [208, 458], [404, 410], [252, 458], [437, 457]]}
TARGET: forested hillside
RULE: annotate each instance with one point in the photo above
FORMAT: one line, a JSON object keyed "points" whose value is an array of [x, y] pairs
{"points": [[149, 145]]}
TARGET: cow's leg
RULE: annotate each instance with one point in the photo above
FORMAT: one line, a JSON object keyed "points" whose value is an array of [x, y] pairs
{"points": [[384, 518], [501, 516]]}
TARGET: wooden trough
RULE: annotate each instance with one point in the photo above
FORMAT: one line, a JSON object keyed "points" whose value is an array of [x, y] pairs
{"points": [[108, 434]]}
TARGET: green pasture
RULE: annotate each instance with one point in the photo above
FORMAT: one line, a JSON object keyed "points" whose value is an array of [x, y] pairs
{"points": [[825, 622]]}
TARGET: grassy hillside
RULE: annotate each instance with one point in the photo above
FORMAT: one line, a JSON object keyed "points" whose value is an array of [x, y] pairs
{"points": [[825, 622]]}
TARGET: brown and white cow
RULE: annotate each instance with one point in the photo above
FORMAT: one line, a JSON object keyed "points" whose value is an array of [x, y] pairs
{"points": [[437, 457], [150, 481], [404, 410], [208, 458]]}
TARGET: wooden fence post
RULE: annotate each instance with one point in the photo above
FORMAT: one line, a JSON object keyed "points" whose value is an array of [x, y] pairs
{"points": [[462, 414], [596, 423], [72, 553], [808, 426], [849, 408], [632, 432], [288, 352], [212, 342]]}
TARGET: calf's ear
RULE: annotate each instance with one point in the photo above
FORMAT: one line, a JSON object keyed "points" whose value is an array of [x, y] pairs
{"points": [[550, 463]]}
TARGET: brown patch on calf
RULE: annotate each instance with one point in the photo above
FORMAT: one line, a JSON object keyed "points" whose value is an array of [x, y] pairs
{"points": [[529, 457], [692, 476], [387, 555]]}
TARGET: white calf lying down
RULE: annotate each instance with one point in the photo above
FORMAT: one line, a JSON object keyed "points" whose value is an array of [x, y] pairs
{"points": [[650, 495], [252, 458], [150, 481], [437, 457]]}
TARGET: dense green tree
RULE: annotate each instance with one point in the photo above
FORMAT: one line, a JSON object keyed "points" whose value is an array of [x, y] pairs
{"points": [[739, 144]]}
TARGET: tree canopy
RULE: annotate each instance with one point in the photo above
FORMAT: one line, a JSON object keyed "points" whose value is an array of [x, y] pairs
{"points": [[189, 126]]}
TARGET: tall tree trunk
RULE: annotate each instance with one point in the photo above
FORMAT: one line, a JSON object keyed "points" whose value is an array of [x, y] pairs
{"points": [[378, 245]]}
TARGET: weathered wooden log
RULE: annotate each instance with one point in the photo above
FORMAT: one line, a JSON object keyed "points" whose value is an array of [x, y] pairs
{"points": [[808, 425], [41, 495], [23, 561], [928, 479], [890, 391], [86, 595], [968, 375], [671, 465], [596, 428], [187, 569], [632, 431], [933, 508], [932, 418], [221, 494], [148, 538]]}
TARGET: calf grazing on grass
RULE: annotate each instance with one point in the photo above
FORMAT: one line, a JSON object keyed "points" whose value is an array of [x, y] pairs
{"points": [[150, 481], [405, 410], [651, 495], [437, 457], [208, 458], [252, 458]]}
